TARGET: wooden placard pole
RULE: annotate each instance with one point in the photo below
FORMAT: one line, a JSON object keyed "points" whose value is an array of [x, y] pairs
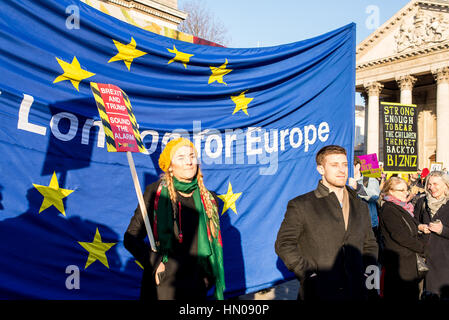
{"points": [[143, 208]]}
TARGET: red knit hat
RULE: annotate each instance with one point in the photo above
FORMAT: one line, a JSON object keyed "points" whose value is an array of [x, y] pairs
{"points": [[425, 172]]}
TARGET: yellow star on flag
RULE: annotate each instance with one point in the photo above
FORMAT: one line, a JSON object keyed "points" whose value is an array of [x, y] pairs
{"points": [[229, 199], [180, 56], [126, 52], [218, 73], [97, 250], [241, 102], [72, 72], [53, 195]]}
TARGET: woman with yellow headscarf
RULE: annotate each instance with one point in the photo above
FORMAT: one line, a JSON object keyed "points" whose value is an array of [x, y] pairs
{"points": [[185, 223]]}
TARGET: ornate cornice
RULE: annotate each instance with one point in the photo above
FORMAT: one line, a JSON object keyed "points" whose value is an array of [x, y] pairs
{"points": [[436, 2], [153, 8], [403, 56]]}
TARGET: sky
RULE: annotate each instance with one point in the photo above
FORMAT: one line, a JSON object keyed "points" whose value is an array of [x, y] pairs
{"points": [[262, 23], [253, 23]]}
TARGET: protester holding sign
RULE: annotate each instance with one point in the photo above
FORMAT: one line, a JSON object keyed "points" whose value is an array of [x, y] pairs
{"points": [[367, 189], [416, 187], [184, 216]]}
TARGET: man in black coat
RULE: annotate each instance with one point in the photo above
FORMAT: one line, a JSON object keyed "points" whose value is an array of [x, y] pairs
{"points": [[326, 237]]}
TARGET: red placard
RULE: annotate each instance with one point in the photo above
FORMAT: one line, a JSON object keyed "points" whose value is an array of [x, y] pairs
{"points": [[118, 117]]}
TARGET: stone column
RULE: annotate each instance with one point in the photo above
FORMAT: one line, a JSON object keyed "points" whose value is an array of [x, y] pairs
{"points": [[372, 140], [406, 83], [442, 78]]}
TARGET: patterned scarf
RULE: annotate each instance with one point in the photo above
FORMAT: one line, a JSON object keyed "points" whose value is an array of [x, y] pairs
{"points": [[210, 247], [407, 206]]}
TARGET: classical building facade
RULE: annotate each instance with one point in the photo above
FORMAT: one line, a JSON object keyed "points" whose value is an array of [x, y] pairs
{"points": [[406, 60], [157, 16], [152, 15]]}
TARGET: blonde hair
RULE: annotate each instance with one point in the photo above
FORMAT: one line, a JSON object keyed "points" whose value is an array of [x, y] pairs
{"points": [[390, 184]]}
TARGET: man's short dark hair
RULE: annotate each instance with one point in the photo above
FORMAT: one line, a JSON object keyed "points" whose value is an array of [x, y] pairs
{"points": [[327, 150]]}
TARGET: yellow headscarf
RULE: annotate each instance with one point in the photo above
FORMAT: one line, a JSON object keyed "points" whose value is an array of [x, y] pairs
{"points": [[170, 149]]}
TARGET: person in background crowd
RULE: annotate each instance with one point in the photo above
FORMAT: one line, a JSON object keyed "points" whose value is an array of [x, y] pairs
{"points": [[381, 166], [367, 189], [184, 218], [433, 211], [416, 187], [401, 242], [423, 176], [420, 184], [326, 237], [383, 175], [414, 179]]}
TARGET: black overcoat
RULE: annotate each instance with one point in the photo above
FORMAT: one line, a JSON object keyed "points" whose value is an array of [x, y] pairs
{"points": [[437, 279], [328, 260], [401, 242]]}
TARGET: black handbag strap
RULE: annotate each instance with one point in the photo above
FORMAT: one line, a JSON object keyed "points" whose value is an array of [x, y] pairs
{"points": [[408, 225]]}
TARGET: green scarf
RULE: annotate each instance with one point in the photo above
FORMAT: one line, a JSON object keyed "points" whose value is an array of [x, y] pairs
{"points": [[209, 247]]}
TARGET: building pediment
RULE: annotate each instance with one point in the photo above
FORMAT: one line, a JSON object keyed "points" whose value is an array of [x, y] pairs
{"points": [[421, 27]]}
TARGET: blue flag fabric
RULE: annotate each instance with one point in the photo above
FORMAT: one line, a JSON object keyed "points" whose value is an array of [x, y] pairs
{"points": [[257, 117]]}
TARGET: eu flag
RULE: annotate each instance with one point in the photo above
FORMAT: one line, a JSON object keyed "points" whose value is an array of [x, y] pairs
{"points": [[257, 117]]}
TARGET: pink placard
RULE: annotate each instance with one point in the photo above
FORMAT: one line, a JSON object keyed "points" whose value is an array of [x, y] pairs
{"points": [[369, 165]]}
